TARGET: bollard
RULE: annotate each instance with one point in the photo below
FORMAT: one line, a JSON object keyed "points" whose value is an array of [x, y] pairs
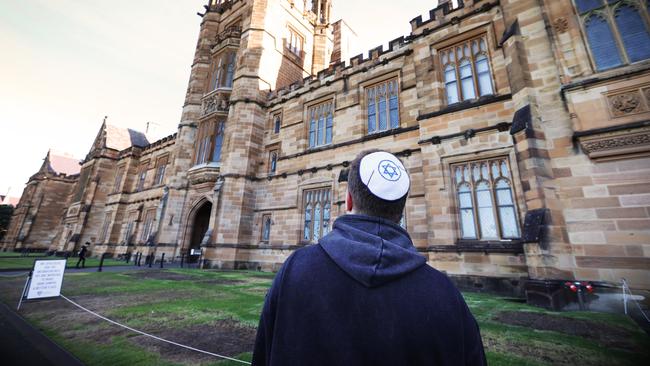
{"points": [[182, 259], [139, 259], [162, 260], [127, 256], [151, 258], [101, 262]]}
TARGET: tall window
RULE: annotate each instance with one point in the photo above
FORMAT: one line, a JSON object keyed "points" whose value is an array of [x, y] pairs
{"points": [[142, 176], [317, 214], [466, 70], [118, 179], [277, 123], [148, 225], [209, 142], [266, 227], [321, 122], [485, 200], [295, 42], [273, 161], [617, 30], [223, 70], [161, 166], [130, 226], [104, 234], [383, 106]]}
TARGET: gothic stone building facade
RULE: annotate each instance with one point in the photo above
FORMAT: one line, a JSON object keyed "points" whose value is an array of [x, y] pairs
{"points": [[525, 125]]}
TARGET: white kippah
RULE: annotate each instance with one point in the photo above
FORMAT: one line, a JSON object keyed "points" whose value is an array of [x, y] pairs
{"points": [[384, 175]]}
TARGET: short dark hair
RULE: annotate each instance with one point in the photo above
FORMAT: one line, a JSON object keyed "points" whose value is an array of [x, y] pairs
{"points": [[367, 203]]}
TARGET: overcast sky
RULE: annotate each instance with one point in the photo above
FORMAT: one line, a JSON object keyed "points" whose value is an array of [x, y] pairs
{"points": [[65, 64]]}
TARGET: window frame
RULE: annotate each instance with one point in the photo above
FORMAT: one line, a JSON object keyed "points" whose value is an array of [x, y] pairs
{"points": [[205, 142], [272, 169], [161, 162], [303, 207], [275, 123], [263, 237], [456, 65], [291, 34], [492, 184], [147, 226], [374, 84], [222, 70], [141, 181], [119, 177], [321, 102], [608, 10]]}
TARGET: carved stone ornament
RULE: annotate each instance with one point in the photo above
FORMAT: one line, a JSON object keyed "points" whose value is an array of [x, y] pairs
{"points": [[561, 25], [610, 146], [646, 92], [216, 103], [624, 104]]}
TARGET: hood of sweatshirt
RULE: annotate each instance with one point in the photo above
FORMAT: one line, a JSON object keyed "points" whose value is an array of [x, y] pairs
{"points": [[371, 250]]}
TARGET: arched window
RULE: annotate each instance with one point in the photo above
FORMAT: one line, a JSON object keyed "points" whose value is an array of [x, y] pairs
{"points": [[223, 70], [266, 228], [317, 218], [486, 206], [277, 122], [467, 80], [321, 124], [603, 45], [466, 70], [218, 142], [383, 106], [451, 85], [618, 31], [273, 161]]}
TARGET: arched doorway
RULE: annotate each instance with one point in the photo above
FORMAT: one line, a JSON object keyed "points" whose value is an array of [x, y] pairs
{"points": [[199, 227]]}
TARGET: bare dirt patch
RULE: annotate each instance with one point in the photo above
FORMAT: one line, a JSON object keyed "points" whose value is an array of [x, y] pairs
{"points": [[225, 337], [604, 334]]}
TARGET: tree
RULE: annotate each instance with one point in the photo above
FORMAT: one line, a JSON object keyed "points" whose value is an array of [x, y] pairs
{"points": [[5, 217]]}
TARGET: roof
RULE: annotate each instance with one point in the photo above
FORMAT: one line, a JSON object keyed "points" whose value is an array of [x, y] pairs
{"points": [[119, 138], [63, 163]]}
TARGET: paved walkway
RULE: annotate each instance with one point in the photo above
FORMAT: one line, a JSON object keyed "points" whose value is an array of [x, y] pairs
{"points": [[22, 344]]}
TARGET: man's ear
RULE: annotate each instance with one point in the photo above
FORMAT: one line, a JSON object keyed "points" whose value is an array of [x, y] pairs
{"points": [[348, 202]]}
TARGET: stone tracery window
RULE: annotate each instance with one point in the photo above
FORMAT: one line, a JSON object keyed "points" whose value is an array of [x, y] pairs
{"points": [[466, 70], [317, 214], [382, 101], [223, 70], [209, 142], [266, 227], [485, 200], [618, 31], [321, 124]]}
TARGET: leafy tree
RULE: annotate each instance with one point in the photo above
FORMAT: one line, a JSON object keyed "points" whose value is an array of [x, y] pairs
{"points": [[5, 217]]}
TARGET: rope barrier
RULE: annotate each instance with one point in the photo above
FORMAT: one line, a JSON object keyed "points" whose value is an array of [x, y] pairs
{"points": [[14, 275], [153, 336], [626, 287]]}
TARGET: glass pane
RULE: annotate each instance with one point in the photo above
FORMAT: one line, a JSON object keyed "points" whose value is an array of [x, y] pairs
{"points": [[317, 222], [467, 224], [483, 198], [488, 224], [452, 92], [634, 33], [326, 219], [602, 44], [445, 58], [459, 176], [450, 74], [504, 197], [307, 235], [371, 111], [464, 188], [465, 200], [466, 171], [586, 5], [508, 222], [483, 45], [475, 48], [394, 112], [477, 173], [495, 170], [465, 69], [320, 140], [468, 88], [484, 171], [276, 128], [383, 122], [504, 169]]}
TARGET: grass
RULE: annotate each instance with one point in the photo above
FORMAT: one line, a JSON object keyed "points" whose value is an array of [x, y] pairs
{"points": [[188, 299], [26, 263]]}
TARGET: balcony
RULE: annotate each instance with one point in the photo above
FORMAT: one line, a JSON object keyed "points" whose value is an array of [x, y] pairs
{"points": [[204, 173], [216, 102]]}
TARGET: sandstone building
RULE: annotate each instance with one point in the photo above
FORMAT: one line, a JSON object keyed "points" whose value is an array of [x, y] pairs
{"points": [[525, 125]]}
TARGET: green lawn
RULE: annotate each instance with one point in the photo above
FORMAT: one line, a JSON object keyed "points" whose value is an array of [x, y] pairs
{"points": [[18, 254], [218, 312], [27, 262]]}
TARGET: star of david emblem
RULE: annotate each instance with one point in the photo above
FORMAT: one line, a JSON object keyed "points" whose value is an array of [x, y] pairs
{"points": [[389, 170]]}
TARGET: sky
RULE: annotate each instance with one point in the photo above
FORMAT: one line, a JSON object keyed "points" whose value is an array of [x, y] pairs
{"points": [[66, 64]]}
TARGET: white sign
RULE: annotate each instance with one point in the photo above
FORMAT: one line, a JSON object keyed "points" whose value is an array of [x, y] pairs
{"points": [[195, 252], [47, 279]]}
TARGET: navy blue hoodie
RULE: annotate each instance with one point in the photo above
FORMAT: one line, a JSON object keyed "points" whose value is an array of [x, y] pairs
{"points": [[365, 296]]}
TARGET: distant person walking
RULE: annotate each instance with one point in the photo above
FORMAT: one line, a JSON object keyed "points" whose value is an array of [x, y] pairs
{"points": [[82, 255], [364, 295]]}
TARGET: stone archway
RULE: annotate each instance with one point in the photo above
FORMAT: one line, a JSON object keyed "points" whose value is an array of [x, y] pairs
{"points": [[200, 223]]}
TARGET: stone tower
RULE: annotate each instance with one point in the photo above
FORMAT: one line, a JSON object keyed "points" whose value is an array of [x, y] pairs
{"points": [[245, 49]]}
